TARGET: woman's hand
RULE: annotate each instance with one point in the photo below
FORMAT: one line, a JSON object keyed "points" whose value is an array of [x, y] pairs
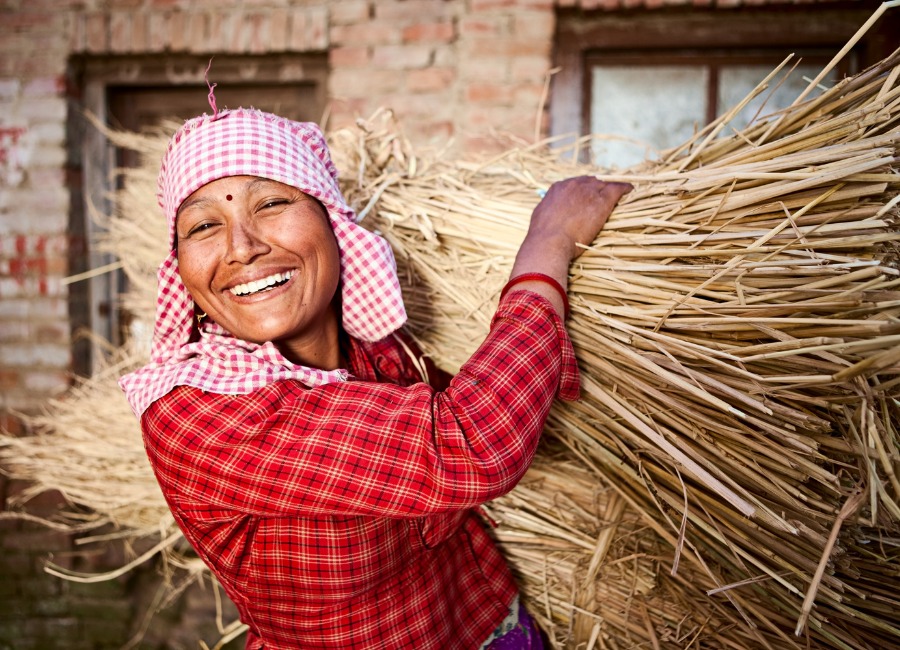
{"points": [[574, 211], [571, 215]]}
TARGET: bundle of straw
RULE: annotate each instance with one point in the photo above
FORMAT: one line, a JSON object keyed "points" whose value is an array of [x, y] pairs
{"points": [[729, 477], [737, 325]]}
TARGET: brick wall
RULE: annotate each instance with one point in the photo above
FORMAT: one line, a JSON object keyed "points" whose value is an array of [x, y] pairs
{"points": [[449, 68]]}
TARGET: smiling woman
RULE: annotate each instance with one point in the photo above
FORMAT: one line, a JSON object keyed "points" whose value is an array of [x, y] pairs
{"points": [[329, 483], [260, 259]]}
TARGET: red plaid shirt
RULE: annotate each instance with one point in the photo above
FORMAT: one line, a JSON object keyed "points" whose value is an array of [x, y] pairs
{"points": [[341, 516]]}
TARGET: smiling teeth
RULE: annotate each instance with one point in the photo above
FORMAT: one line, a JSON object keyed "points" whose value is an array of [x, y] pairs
{"points": [[258, 285]]}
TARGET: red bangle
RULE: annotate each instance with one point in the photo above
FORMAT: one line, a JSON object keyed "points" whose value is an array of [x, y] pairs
{"points": [[538, 277]]}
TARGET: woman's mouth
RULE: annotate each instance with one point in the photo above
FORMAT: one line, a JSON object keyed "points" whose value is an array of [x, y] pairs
{"points": [[263, 284]]}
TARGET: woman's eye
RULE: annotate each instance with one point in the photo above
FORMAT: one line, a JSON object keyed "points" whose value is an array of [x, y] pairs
{"points": [[199, 228], [273, 203]]}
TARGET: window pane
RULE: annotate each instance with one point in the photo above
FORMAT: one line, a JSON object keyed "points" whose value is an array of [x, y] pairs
{"points": [[736, 82], [661, 106]]}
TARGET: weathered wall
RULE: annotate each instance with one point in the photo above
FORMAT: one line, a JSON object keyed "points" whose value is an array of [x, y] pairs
{"points": [[449, 68]]}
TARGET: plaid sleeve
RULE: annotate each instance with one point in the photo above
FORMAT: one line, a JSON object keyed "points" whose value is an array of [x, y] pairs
{"points": [[370, 448]]}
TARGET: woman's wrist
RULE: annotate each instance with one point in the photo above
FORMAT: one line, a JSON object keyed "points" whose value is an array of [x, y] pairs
{"points": [[538, 282], [548, 257]]}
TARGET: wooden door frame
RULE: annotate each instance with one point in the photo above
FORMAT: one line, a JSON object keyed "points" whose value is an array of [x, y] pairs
{"points": [[92, 158]]}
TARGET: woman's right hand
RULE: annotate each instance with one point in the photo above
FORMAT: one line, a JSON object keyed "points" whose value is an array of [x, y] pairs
{"points": [[570, 216]]}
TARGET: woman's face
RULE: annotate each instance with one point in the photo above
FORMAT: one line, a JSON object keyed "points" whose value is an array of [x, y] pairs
{"points": [[260, 258]]}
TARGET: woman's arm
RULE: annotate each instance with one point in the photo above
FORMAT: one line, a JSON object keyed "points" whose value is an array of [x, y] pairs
{"points": [[379, 449]]}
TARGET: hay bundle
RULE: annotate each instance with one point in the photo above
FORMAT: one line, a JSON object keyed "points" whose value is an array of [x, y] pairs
{"points": [[737, 323], [730, 474]]}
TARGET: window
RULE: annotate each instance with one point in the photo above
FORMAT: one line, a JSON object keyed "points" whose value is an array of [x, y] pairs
{"points": [[648, 79], [655, 102]]}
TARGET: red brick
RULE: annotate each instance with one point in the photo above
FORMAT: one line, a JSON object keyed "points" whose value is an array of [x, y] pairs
{"points": [[510, 118], [158, 28], [485, 26], [309, 30], [9, 378], [488, 93], [534, 25], [344, 112], [529, 68], [77, 38], [119, 32], [528, 94], [237, 42], [490, 5], [256, 33], [25, 21], [197, 28], [430, 79], [179, 39], [345, 13], [401, 57], [9, 89], [433, 32], [222, 31], [364, 82], [349, 56], [139, 42], [506, 47], [372, 33], [483, 68], [96, 33], [51, 332], [412, 9], [319, 38], [11, 331], [278, 30]]}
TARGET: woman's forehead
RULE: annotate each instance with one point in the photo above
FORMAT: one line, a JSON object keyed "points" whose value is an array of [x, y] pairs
{"points": [[246, 184]]}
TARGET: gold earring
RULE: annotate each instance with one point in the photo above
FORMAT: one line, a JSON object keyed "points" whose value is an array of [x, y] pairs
{"points": [[200, 318]]}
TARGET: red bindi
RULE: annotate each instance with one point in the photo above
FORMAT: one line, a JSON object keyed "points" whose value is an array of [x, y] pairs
{"points": [[228, 197]]}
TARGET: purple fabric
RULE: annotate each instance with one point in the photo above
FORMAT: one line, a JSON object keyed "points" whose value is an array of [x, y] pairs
{"points": [[524, 636]]}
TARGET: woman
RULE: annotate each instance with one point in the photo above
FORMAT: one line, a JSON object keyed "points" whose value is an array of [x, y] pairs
{"points": [[329, 488]]}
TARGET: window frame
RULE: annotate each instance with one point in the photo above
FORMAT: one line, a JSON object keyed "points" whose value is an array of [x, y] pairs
{"points": [[585, 36]]}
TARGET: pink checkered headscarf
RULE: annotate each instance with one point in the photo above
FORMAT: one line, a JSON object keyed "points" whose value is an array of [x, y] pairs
{"points": [[248, 142]]}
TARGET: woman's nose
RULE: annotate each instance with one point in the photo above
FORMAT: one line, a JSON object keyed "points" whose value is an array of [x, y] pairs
{"points": [[244, 244]]}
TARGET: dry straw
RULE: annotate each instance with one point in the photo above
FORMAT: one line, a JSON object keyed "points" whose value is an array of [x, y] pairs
{"points": [[737, 327], [729, 478]]}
